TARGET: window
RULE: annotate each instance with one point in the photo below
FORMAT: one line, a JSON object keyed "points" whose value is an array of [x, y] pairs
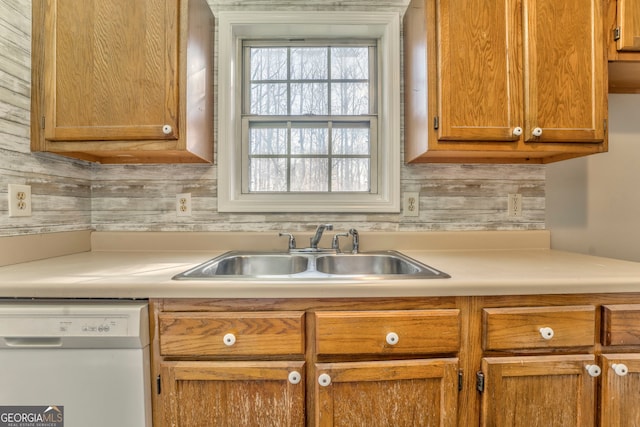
{"points": [[308, 123]]}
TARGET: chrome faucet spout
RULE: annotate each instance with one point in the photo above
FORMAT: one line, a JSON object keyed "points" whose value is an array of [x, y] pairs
{"points": [[318, 234]]}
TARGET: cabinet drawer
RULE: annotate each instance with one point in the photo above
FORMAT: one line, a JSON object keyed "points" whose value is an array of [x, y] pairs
{"points": [[538, 327], [388, 332], [621, 324], [231, 334]]}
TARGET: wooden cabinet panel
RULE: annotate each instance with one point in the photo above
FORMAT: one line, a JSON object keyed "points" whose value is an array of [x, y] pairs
{"points": [[550, 391], [249, 394], [254, 333], [619, 395], [367, 332], [411, 393], [621, 324], [517, 328], [119, 82]]}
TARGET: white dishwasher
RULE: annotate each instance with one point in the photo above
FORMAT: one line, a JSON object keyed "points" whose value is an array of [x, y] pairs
{"points": [[74, 363]]}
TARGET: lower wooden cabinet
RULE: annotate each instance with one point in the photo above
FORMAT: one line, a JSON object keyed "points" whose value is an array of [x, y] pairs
{"points": [[539, 391], [503, 361], [411, 393], [252, 394]]}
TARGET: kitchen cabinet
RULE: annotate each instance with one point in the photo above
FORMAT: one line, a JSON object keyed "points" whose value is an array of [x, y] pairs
{"points": [[123, 81], [508, 82], [227, 369], [550, 389], [623, 37], [620, 370], [367, 367], [552, 360]]}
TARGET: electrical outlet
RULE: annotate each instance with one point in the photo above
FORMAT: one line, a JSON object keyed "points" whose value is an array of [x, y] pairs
{"points": [[19, 200], [183, 204], [411, 204], [514, 205]]}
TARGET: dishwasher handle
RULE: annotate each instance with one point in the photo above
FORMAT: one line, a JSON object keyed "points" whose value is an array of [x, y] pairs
{"points": [[32, 342]]}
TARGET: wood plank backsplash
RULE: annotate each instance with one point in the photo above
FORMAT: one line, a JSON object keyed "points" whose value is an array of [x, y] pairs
{"points": [[76, 195]]}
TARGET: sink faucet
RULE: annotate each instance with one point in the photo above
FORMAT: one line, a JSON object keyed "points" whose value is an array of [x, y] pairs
{"points": [[318, 235]]}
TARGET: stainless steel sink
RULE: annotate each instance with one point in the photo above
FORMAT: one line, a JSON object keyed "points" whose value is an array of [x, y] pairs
{"points": [[237, 265]]}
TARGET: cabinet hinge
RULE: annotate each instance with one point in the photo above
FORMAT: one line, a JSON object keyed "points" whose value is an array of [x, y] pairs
{"points": [[158, 385], [616, 33], [436, 122], [42, 123], [459, 380], [480, 381], [605, 125]]}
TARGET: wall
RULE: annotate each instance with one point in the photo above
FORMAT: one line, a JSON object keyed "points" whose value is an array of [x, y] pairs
{"points": [[593, 203], [72, 194], [61, 188]]}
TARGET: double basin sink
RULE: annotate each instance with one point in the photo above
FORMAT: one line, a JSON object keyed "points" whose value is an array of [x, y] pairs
{"points": [[238, 265]]}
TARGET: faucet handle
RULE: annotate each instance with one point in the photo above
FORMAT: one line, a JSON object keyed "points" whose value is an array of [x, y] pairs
{"points": [[292, 240], [335, 244]]}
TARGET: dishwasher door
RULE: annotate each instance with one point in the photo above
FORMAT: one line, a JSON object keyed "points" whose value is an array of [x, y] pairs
{"points": [[74, 364]]}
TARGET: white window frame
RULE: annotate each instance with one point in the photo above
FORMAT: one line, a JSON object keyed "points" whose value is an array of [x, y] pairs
{"points": [[233, 27]]}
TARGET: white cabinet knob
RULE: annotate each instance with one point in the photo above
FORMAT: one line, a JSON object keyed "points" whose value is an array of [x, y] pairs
{"points": [[295, 377], [620, 369], [537, 131], [593, 370], [324, 380], [517, 131], [229, 339], [547, 333], [392, 338], [167, 129]]}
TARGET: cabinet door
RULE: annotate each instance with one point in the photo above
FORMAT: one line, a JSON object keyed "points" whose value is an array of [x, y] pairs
{"points": [[629, 25], [620, 385], [550, 391], [479, 72], [410, 393], [564, 60], [111, 70], [232, 394]]}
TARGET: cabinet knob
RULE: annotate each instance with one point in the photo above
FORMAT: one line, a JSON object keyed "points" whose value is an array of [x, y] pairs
{"points": [[324, 380], [167, 129], [620, 369], [537, 131], [517, 131], [392, 338], [295, 377], [229, 339], [547, 333], [593, 370]]}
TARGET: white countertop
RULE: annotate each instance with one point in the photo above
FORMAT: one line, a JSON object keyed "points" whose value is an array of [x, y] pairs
{"points": [[139, 274]]}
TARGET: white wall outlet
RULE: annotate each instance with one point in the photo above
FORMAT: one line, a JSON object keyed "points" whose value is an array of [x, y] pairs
{"points": [[183, 204], [411, 204], [514, 205], [19, 200]]}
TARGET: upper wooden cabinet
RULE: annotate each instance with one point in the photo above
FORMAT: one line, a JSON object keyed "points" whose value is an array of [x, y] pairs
{"points": [[508, 81], [623, 35], [123, 81]]}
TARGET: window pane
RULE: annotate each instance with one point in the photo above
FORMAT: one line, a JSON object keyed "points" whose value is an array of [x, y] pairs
{"points": [[269, 63], [309, 63], [349, 98], [350, 175], [267, 174], [309, 141], [349, 63], [309, 175], [269, 98], [351, 141], [267, 140], [309, 98]]}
